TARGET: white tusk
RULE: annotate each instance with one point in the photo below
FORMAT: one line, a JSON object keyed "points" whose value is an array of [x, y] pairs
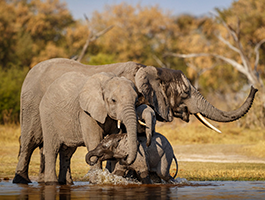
{"points": [[119, 124], [206, 123], [142, 123]]}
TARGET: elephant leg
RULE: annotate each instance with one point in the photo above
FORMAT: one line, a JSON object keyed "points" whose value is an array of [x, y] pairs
{"points": [[51, 149], [119, 169], [141, 166], [65, 161], [144, 177], [42, 165], [111, 165], [21, 175], [163, 168], [31, 138], [154, 177]]}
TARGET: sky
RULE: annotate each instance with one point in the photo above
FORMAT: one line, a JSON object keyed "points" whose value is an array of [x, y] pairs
{"points": [[195, 7]]}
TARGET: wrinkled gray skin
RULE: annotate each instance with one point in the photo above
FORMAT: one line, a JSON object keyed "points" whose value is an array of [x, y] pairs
{"points": [[79, 110], [167, 91], [152, 158], [156, 158], [147, 115]]}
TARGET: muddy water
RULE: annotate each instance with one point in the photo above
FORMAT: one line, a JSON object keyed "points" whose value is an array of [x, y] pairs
{"points": [[86, 190]]}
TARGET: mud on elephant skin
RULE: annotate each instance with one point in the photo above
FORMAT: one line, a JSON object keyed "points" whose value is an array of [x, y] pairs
{"points": [[167, 91]]}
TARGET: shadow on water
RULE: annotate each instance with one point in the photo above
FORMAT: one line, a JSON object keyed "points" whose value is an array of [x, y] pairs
{"points": [[84, 190]]}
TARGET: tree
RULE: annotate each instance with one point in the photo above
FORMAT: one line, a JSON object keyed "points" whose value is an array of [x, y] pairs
{"points": [[137, 35], [31, 31], [236, 43]]}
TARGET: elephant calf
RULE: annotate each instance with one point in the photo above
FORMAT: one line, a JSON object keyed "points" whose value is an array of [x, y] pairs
{"points": [[155, 158]]}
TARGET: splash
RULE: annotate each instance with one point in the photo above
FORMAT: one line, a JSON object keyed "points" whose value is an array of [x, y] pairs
{"points": [[181, 181], [98, 176]]}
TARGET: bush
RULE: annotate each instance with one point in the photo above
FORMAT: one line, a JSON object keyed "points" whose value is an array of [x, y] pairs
{"points": [[11, 80]]}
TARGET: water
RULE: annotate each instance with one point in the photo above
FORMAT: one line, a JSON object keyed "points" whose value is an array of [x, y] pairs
{"points": [[100, 184], [85, 190]]}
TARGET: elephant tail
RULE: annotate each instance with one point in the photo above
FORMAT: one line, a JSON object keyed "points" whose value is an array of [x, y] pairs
{"points": [[177, 168]]}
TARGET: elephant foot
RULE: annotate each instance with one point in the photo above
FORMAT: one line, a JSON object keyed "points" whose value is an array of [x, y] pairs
{"points": [[41, 178], [66, 183], [155, 178], [20, 179], [145, 178], [52, 183], [69, 182]]}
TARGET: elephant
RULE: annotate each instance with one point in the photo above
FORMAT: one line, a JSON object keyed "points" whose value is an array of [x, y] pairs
{"points": [[167, 91], [152, 158], [78, 110], [156, 158]]}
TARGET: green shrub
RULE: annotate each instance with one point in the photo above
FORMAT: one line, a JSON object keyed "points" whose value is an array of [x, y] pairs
{"points": [[11, 80]]}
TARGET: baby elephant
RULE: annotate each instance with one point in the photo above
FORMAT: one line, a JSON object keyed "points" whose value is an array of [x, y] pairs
{"points": [[155, 158]]}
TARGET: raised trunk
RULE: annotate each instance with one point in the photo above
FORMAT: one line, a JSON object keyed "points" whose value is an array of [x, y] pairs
{"points": [[129, 120], [209, 111]]}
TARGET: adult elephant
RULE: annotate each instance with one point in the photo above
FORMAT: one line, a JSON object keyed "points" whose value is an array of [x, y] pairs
{"points": [[79, 110], [167, 91]]}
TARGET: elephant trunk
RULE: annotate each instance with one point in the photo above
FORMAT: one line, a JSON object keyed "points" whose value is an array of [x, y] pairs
{"points": [[91, 154], [146, 114], [209, 111], [129, 120]]}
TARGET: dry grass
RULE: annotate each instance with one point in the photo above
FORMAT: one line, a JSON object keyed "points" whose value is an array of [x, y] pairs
{"points": [[195, 133], [177, 133], [200, 171]]}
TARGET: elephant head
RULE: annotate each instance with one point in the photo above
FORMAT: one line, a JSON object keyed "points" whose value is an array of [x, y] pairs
{"points": [[111, 147], [107, 95], [171, 94]]}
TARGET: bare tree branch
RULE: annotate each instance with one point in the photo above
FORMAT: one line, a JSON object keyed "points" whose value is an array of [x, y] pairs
{"points": [[232, 62], [91, 37], [199, 72], [256, 49], [227, 43], [245, 60], [159, 62]]}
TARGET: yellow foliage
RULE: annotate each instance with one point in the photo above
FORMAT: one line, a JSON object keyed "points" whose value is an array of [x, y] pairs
{"points": [[50, 51]]}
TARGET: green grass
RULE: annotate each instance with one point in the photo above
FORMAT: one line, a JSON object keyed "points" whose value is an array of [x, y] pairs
{"points": [[177, 134]]}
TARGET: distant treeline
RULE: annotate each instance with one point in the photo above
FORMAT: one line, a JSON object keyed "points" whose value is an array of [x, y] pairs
{"points": [[35, 30]]}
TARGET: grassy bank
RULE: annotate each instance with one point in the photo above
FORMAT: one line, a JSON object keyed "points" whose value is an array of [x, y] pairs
{"points": [[180, 133], [207, 171], [177, 134]]}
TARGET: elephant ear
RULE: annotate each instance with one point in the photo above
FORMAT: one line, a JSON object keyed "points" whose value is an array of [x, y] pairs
{"points": [[149, 85], [91, 97]]}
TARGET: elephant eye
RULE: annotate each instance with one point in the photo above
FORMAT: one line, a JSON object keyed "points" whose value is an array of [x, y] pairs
{"points": [[113, 100], [184, 95]]}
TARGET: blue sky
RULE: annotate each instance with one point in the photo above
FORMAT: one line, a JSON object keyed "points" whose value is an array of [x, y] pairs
{"points": [[195, 7]]}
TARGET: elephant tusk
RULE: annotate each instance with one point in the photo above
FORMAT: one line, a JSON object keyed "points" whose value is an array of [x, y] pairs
{"points": [[206, 123], [119, 124], [142, 123]]}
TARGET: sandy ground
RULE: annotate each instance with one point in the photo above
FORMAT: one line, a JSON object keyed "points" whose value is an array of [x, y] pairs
{"points": [[223, 153]]}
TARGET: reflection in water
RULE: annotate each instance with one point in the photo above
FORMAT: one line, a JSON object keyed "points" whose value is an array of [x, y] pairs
{"points": [[84, 190]]}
